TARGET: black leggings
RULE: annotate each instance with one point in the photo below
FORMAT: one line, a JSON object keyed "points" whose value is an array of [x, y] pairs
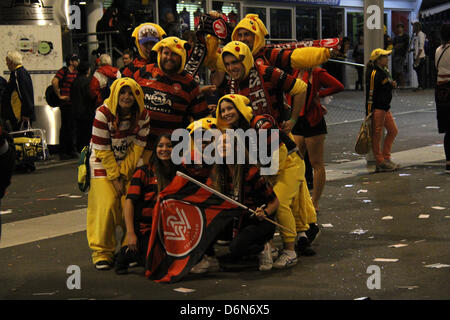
{"points": [[251, 238], [447, 145]]}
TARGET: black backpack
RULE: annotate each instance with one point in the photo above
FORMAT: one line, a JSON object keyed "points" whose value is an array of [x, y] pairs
{"points": [[50, 95]]}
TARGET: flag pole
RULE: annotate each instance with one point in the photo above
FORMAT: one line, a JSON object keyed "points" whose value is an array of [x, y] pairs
{"points": [[224, 197]]}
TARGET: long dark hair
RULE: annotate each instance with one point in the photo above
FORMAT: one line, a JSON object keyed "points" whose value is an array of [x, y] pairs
{"points": [[164, 174], [242, 122]]}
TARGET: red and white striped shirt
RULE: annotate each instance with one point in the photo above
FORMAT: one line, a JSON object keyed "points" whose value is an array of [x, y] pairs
{"points": [[105, 137]]}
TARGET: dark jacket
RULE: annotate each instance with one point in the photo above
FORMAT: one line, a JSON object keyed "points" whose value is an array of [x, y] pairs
{"points": [[7, 158], [382, 91], [19, 81], [82, 102]]}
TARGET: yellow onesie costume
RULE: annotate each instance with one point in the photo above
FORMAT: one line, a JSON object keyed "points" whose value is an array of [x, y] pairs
{"points": [[116, 151]]}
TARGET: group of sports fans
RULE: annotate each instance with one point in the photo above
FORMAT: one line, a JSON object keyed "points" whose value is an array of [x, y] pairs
{"points": [[259, 87]]}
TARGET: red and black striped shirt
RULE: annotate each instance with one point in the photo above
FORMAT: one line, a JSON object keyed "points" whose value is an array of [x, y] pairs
{"points": [[66, 78], [275, 82], [173, 100], [143, 191]]}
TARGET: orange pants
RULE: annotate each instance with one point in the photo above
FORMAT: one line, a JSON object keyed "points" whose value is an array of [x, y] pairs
{"points": [[382, 119]]}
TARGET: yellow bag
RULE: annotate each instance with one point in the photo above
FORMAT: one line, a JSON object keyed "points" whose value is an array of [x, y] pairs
{"points": [[30, 144]]}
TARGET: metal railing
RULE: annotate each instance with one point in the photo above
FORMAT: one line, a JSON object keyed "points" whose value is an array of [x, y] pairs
{"points": [[109, 48]]}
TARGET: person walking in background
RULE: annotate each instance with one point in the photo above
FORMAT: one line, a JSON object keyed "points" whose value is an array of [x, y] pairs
{"points": [[83, 106], [18, 103], [400, 43], [379, 86], [419, 54], [358, 56], [172, 25], [119, 135], [62, 84], [127, 58], [102, 79], [442, 92], [18, 99]]}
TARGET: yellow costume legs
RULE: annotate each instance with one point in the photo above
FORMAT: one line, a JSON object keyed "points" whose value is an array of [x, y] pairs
{"points": [[286, 189], [104, 214], [302, 206]]}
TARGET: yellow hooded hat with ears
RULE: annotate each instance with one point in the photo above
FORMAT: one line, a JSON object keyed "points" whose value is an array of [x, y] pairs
{"points": [[253, 23], [113, 100], [242, 52], [242, 104], [176, 45], [203, 124], [147, 32]]}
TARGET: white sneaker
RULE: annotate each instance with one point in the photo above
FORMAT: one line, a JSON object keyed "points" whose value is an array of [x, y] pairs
{"points": [[201, 266], [285, 261], [265, 258], [207, 263], [214, 265], [275, 253]]}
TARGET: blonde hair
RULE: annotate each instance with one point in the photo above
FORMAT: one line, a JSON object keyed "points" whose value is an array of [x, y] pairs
{"points": [[15, 57], [105, 59]]}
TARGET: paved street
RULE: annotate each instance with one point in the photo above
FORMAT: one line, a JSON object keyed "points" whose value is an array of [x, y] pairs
{"points": [[403, 215]]}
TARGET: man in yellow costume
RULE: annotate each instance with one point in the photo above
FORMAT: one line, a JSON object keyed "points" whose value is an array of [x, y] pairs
{"points": [[145, 36]]}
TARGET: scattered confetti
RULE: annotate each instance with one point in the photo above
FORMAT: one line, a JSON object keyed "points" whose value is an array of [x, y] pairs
{"points": [[408, 287], [74, 197], [327, 225], [6, 211], [362, 191], [418, 241], [438, 266], [367, 201], [438, 208], [400, 245], [184, 290], [385, 260], [358, 231], [387, 218], [44, 294], [432, 187], [404, 174], [348, 185], [424, 216]]}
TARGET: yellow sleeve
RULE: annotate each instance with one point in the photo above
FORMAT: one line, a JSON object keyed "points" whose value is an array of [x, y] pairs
{"points": [[309, 57], [213, 59], [299, 87], [109, 163], [128, 165]]}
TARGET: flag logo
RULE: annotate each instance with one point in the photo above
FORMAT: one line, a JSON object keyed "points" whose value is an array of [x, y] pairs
{"points": [[182, 227]]}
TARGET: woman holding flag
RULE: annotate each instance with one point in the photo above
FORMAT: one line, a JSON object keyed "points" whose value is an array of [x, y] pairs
{"points": [[244, 183], [148, 180]]}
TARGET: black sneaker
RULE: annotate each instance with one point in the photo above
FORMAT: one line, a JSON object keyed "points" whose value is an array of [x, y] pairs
{"points": [[103, 265], [304, 247], [313, 232]]}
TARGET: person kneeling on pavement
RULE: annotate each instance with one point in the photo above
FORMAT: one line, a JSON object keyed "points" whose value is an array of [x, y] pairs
{"points": [[148, 180]]}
